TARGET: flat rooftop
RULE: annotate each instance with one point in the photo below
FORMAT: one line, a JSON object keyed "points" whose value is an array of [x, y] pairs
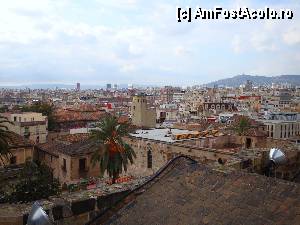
{"points": [[160, 134]]}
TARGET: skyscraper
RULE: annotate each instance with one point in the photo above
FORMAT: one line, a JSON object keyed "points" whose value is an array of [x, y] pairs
{"points": [[108, 86], [78, 87]]}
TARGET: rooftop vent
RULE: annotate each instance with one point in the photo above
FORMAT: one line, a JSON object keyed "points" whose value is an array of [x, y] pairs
{"points": [[277, 156], [38, 216]]}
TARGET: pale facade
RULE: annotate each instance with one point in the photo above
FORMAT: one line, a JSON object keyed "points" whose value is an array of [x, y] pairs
{"points": [[72, 168], [282, 129], [31, 125], [69, 161], [282, 125]]}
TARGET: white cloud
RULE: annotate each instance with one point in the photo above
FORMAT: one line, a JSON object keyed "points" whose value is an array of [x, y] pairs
{"points": [[237, 44], [181, 51], [263, 42], [135, 49], [92, 37], [292, 37], [127, 68]]}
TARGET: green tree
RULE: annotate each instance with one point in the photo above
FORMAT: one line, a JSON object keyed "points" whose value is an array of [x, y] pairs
{"points": [[114, 154], [35, 182], [5, 154], [242, 125]]}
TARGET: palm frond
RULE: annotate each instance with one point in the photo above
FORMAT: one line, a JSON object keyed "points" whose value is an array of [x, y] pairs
{"points": [[115, 154]]}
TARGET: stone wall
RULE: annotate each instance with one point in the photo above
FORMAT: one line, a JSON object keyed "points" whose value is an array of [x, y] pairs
{"points": [[72, 168], [162, 152], [21, 154], [75, 212]]}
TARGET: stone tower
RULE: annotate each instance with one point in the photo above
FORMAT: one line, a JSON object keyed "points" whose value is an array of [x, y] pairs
{"points": [[141, 114]]}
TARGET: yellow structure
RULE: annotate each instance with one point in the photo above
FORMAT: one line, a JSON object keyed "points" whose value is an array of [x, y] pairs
{"points": [[141, 114]]}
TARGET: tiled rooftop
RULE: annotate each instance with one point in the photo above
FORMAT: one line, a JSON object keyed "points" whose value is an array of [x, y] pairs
{"points": [[16, 140], [70, 116], [72, 138], [190, 193], [71, 144]]}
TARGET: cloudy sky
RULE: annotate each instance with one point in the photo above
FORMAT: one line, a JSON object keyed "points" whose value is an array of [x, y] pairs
{"points": [[141, 42]]}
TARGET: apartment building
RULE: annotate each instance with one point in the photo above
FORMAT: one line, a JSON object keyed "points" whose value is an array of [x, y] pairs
{"points": [[282, 125], [31, 125]]}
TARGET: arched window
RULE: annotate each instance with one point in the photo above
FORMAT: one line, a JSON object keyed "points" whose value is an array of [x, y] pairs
{"points": [[149, 156]]}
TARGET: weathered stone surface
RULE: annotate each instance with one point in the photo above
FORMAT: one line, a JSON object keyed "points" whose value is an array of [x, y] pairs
{"points": [[83, 206], [107, 201], [190, 193]]}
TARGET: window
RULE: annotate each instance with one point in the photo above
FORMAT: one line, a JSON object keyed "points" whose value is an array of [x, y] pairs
{"points": [[13, 160], [149, 157], [15, 118], [20, 119], [82, 164], [64, 166], [26, 132]]}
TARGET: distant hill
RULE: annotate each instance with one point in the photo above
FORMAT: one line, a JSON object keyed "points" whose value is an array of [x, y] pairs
{"points": [[257, 80]]}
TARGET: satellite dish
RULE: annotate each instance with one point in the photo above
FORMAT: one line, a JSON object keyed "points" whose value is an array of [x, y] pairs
{"points": [[277, 156], [38, 216]]}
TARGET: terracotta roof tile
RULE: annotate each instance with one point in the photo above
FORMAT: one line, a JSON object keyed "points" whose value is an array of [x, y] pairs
{"points": [[16, 140]]}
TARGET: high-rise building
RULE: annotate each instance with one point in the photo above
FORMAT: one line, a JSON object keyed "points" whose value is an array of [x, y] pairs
{"points": [[141, 114], [115, 86], [108, 86], [78, 87]]}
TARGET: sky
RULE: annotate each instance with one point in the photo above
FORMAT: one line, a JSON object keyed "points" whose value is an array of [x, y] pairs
{"points": [[141, 42]]}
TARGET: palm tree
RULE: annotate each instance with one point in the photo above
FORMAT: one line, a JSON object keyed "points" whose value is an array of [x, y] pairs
{"points": [[114, 154], [5, 154]]}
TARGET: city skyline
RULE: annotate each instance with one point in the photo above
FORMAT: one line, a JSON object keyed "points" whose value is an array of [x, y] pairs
{"points": [[140, 42]]}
